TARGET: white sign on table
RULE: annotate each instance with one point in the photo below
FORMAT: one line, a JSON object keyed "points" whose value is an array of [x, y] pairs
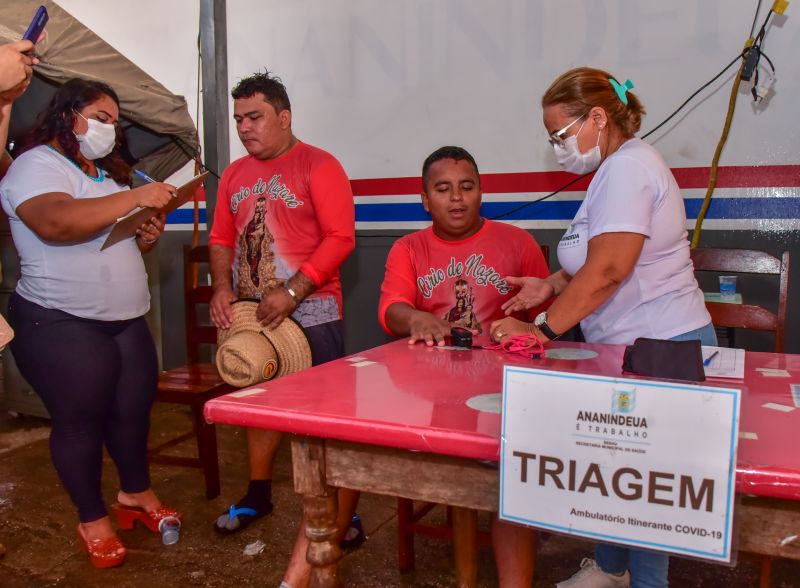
{"points": [[636, 462]]}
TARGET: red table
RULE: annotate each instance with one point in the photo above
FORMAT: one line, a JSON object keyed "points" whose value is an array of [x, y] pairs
{"points": [[358, 417]]}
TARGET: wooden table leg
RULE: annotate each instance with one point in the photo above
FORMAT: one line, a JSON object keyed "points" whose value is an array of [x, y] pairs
{"points": [[319, 505], [465, 546], [207, 451], [405, 537], [765, 581]]}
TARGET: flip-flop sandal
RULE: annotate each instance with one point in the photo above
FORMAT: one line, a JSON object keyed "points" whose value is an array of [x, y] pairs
{"points": [[354, 536], [237, 519]]}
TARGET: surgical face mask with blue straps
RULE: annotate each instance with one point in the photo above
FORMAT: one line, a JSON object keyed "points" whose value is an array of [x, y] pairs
{"points": [[570, 157], [99, 139]]}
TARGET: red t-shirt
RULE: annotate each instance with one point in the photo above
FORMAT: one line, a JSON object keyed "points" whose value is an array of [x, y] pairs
{"points": [[294, 212], [461, 282]]}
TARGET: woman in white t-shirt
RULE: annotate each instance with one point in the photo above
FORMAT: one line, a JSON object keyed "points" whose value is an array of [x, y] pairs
{"points": [[78, 312], [626, 270]]}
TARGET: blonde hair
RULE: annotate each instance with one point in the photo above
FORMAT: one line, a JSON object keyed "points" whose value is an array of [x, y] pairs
{"points": [[583, 88]]}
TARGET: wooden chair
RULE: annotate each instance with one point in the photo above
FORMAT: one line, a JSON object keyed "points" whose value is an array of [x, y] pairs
{"points": [[410, 522], [747, 316], [195, 383]]}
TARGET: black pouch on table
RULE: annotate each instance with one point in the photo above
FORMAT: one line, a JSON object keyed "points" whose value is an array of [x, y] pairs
{"points": [[659, 358]]}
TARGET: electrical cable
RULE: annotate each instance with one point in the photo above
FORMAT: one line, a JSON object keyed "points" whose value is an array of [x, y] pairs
{"points": [[690, 98], [742, 55], [763, 30], [750, 46], [712, 177], [712, 181], [755, 19], [764, 55], [647, 134]]}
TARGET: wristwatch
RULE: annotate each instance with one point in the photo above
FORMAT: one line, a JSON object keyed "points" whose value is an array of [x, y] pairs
{"points": [[540, 322]]}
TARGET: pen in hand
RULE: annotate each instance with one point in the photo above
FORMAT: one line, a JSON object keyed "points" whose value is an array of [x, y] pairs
{"points": [[150, 180], [707, 360], [144, 176]]}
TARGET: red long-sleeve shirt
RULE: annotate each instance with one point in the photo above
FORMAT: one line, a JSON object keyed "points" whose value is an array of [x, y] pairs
{"points": [[462, 282], [294, 212]]}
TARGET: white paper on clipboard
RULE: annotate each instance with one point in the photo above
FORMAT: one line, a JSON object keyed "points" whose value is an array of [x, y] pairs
{"points": [[727, 363], [126, 227]]}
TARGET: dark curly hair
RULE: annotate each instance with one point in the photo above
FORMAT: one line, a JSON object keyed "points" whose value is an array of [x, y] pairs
{"points": [[263, 83], [57, 122]]}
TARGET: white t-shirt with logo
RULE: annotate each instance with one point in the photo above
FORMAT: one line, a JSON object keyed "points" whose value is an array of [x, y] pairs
{"points": [[635, 192], [76, 278]]}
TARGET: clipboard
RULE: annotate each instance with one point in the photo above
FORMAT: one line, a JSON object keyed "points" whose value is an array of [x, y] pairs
{"points": [[125, 228]]}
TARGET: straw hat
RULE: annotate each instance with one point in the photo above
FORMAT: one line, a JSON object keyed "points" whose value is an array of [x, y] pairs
{"points": [[248, 353], [6, 333]]}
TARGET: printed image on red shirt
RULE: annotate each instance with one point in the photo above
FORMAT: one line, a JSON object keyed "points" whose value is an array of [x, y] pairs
{"points": [[284, 215], [462, 282]]}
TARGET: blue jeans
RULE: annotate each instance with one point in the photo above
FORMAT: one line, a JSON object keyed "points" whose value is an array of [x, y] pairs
{"points": [[649, 569], [326, 341]]}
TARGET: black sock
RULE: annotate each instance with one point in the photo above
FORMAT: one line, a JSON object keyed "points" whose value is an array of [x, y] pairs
{"points": [[259, 496]]}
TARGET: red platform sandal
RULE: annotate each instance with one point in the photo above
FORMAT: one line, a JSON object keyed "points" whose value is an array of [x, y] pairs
{"points": [[103, 553], [128, 515]]}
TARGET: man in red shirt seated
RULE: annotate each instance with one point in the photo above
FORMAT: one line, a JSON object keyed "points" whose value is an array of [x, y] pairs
{"points": [[453, 274]]}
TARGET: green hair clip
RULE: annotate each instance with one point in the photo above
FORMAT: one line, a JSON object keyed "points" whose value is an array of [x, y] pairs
{"points": [[621, 89]]}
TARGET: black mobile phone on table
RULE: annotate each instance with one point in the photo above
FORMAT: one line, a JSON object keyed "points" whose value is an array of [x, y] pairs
{"points": [[37, 25]]}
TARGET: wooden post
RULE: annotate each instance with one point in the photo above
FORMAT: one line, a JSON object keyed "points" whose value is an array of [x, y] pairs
{"points": [[319, 505]]}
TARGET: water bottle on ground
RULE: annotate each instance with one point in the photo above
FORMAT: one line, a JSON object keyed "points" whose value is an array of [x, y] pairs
{"points": [[170, 529]]}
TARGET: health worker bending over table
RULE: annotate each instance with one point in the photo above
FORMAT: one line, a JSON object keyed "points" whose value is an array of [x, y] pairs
{"points": [[78, 312], [626, 270]]}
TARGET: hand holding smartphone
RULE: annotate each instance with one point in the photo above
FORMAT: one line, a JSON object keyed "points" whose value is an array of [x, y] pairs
{"points": [[36, 28], [18, 58]]}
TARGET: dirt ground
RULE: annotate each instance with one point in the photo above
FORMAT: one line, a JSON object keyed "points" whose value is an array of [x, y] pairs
{"points": [[37, 529]]}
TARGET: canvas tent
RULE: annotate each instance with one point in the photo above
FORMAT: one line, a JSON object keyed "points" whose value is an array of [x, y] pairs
{"points": [[158, 129], [160, 136]]}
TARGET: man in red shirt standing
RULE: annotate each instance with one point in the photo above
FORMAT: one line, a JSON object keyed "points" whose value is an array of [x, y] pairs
{"points": [[453, 274], [284, 223]]}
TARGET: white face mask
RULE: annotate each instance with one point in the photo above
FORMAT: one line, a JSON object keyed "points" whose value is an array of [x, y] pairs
{"points": [[572, 160], [99, 139]]}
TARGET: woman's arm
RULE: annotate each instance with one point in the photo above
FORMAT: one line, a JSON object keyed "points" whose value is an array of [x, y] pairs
{"points": [[5, 120], [534, 291], [59, 218], [559, 281], [610, 260], [13, 51]]}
